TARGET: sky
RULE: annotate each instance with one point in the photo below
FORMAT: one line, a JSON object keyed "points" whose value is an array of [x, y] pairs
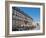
{"points": [[33, 12]]}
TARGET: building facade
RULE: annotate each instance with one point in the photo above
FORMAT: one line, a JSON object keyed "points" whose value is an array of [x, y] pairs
{"points": [[20, 19]]}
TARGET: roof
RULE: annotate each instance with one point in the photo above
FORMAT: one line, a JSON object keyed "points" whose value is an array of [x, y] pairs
{"points": [[19, 10]]}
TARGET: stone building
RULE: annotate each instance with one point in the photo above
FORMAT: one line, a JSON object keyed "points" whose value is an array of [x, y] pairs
{"points": [[20, 19]]}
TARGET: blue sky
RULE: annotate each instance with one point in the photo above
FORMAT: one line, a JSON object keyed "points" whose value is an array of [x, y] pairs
{"points": [[33, 12]]}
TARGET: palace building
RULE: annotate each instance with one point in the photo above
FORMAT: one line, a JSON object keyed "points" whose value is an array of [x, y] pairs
{"points": [[20, 20]]}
